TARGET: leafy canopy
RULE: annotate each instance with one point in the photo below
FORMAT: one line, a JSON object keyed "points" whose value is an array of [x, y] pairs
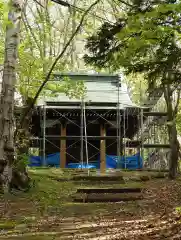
{"points": [[145, 40]]}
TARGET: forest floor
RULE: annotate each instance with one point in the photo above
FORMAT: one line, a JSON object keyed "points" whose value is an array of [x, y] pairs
{"points": [[47, 212]]}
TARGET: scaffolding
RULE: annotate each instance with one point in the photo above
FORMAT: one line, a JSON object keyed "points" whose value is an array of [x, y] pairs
{"points": [[116, 116], [153, 131]]}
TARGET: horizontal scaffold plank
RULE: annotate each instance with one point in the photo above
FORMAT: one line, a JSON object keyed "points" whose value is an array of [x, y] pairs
{"points": [[79, 137], [132, 143], [156, 145], [159, 114]]}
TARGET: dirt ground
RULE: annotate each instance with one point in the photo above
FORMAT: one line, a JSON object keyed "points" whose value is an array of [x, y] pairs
{"points": [[47, 212]]}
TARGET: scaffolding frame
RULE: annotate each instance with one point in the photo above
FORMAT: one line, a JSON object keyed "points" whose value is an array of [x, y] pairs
{"points": [[84, 138]]}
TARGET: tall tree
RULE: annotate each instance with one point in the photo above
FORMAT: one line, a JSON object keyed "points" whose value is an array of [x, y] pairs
{"points": [[55, 62], [145, 40], [7, 151]]}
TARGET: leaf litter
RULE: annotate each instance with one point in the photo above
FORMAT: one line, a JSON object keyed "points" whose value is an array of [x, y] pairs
{"points": [[157, 216]]}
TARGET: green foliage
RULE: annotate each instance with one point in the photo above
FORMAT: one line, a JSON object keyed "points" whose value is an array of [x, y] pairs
{"points": [[21, 162], [74, 89], [137, 86], [4, 9], [142, 42], [43, 37], [147, 41], [178, 120], [178, 209]]}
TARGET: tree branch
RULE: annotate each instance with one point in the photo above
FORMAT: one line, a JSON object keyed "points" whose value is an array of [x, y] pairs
{"points": [[28, 27], [55, 62], [39, 3], [126, 3], [69, 5]]}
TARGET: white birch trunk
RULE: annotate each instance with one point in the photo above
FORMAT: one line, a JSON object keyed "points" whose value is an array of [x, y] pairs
{"points": [[7, 93]]}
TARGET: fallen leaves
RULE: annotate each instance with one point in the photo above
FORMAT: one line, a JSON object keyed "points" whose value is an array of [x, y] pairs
{"points": [[154, 218]]}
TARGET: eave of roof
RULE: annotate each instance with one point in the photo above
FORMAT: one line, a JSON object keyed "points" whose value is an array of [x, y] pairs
{"points": [[87, 76]]}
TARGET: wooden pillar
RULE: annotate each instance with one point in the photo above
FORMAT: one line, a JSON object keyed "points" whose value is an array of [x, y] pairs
{"points": [[63, 146], [102, 148]]}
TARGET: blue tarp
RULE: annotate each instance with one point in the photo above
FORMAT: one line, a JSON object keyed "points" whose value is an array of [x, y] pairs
{"points": [[129, 162], [35, 161], [80, 166], [132, 162], [111, 161], [53, 159]]}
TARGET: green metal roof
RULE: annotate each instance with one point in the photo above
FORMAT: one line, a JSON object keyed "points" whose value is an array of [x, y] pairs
{"points": [[100, 88]]}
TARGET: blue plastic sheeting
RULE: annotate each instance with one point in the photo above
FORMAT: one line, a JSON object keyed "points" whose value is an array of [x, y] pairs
{"points": [[53, 159], [129, 162], [132, 162], [82, 166], [35, 161], [96, 164], [111, 161]]}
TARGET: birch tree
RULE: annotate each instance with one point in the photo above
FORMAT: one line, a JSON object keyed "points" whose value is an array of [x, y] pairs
{"points": [[7, 151]]}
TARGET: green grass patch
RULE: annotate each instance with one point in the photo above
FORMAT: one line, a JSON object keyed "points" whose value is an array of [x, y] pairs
{"points": [[7, 224], [49, 193], [55, 197], [50, 172]]}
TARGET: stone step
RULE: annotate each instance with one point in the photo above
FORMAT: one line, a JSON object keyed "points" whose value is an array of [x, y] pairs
{"points": [[109, 190], [90, 183], [98, 178], [90, 198]]}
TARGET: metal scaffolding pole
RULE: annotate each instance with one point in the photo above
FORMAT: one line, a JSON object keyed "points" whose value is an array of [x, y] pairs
{"points": [[124, 127], [60, 117], [118, 128], [82, 133], [142, 137], [85, 130], [44, 136], [93, 112], [148, 139]]}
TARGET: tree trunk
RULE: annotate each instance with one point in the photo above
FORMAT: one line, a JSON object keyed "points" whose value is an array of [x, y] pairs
{"points": [[174, 146], [22, 140], [7, 150], [172, 133]]}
